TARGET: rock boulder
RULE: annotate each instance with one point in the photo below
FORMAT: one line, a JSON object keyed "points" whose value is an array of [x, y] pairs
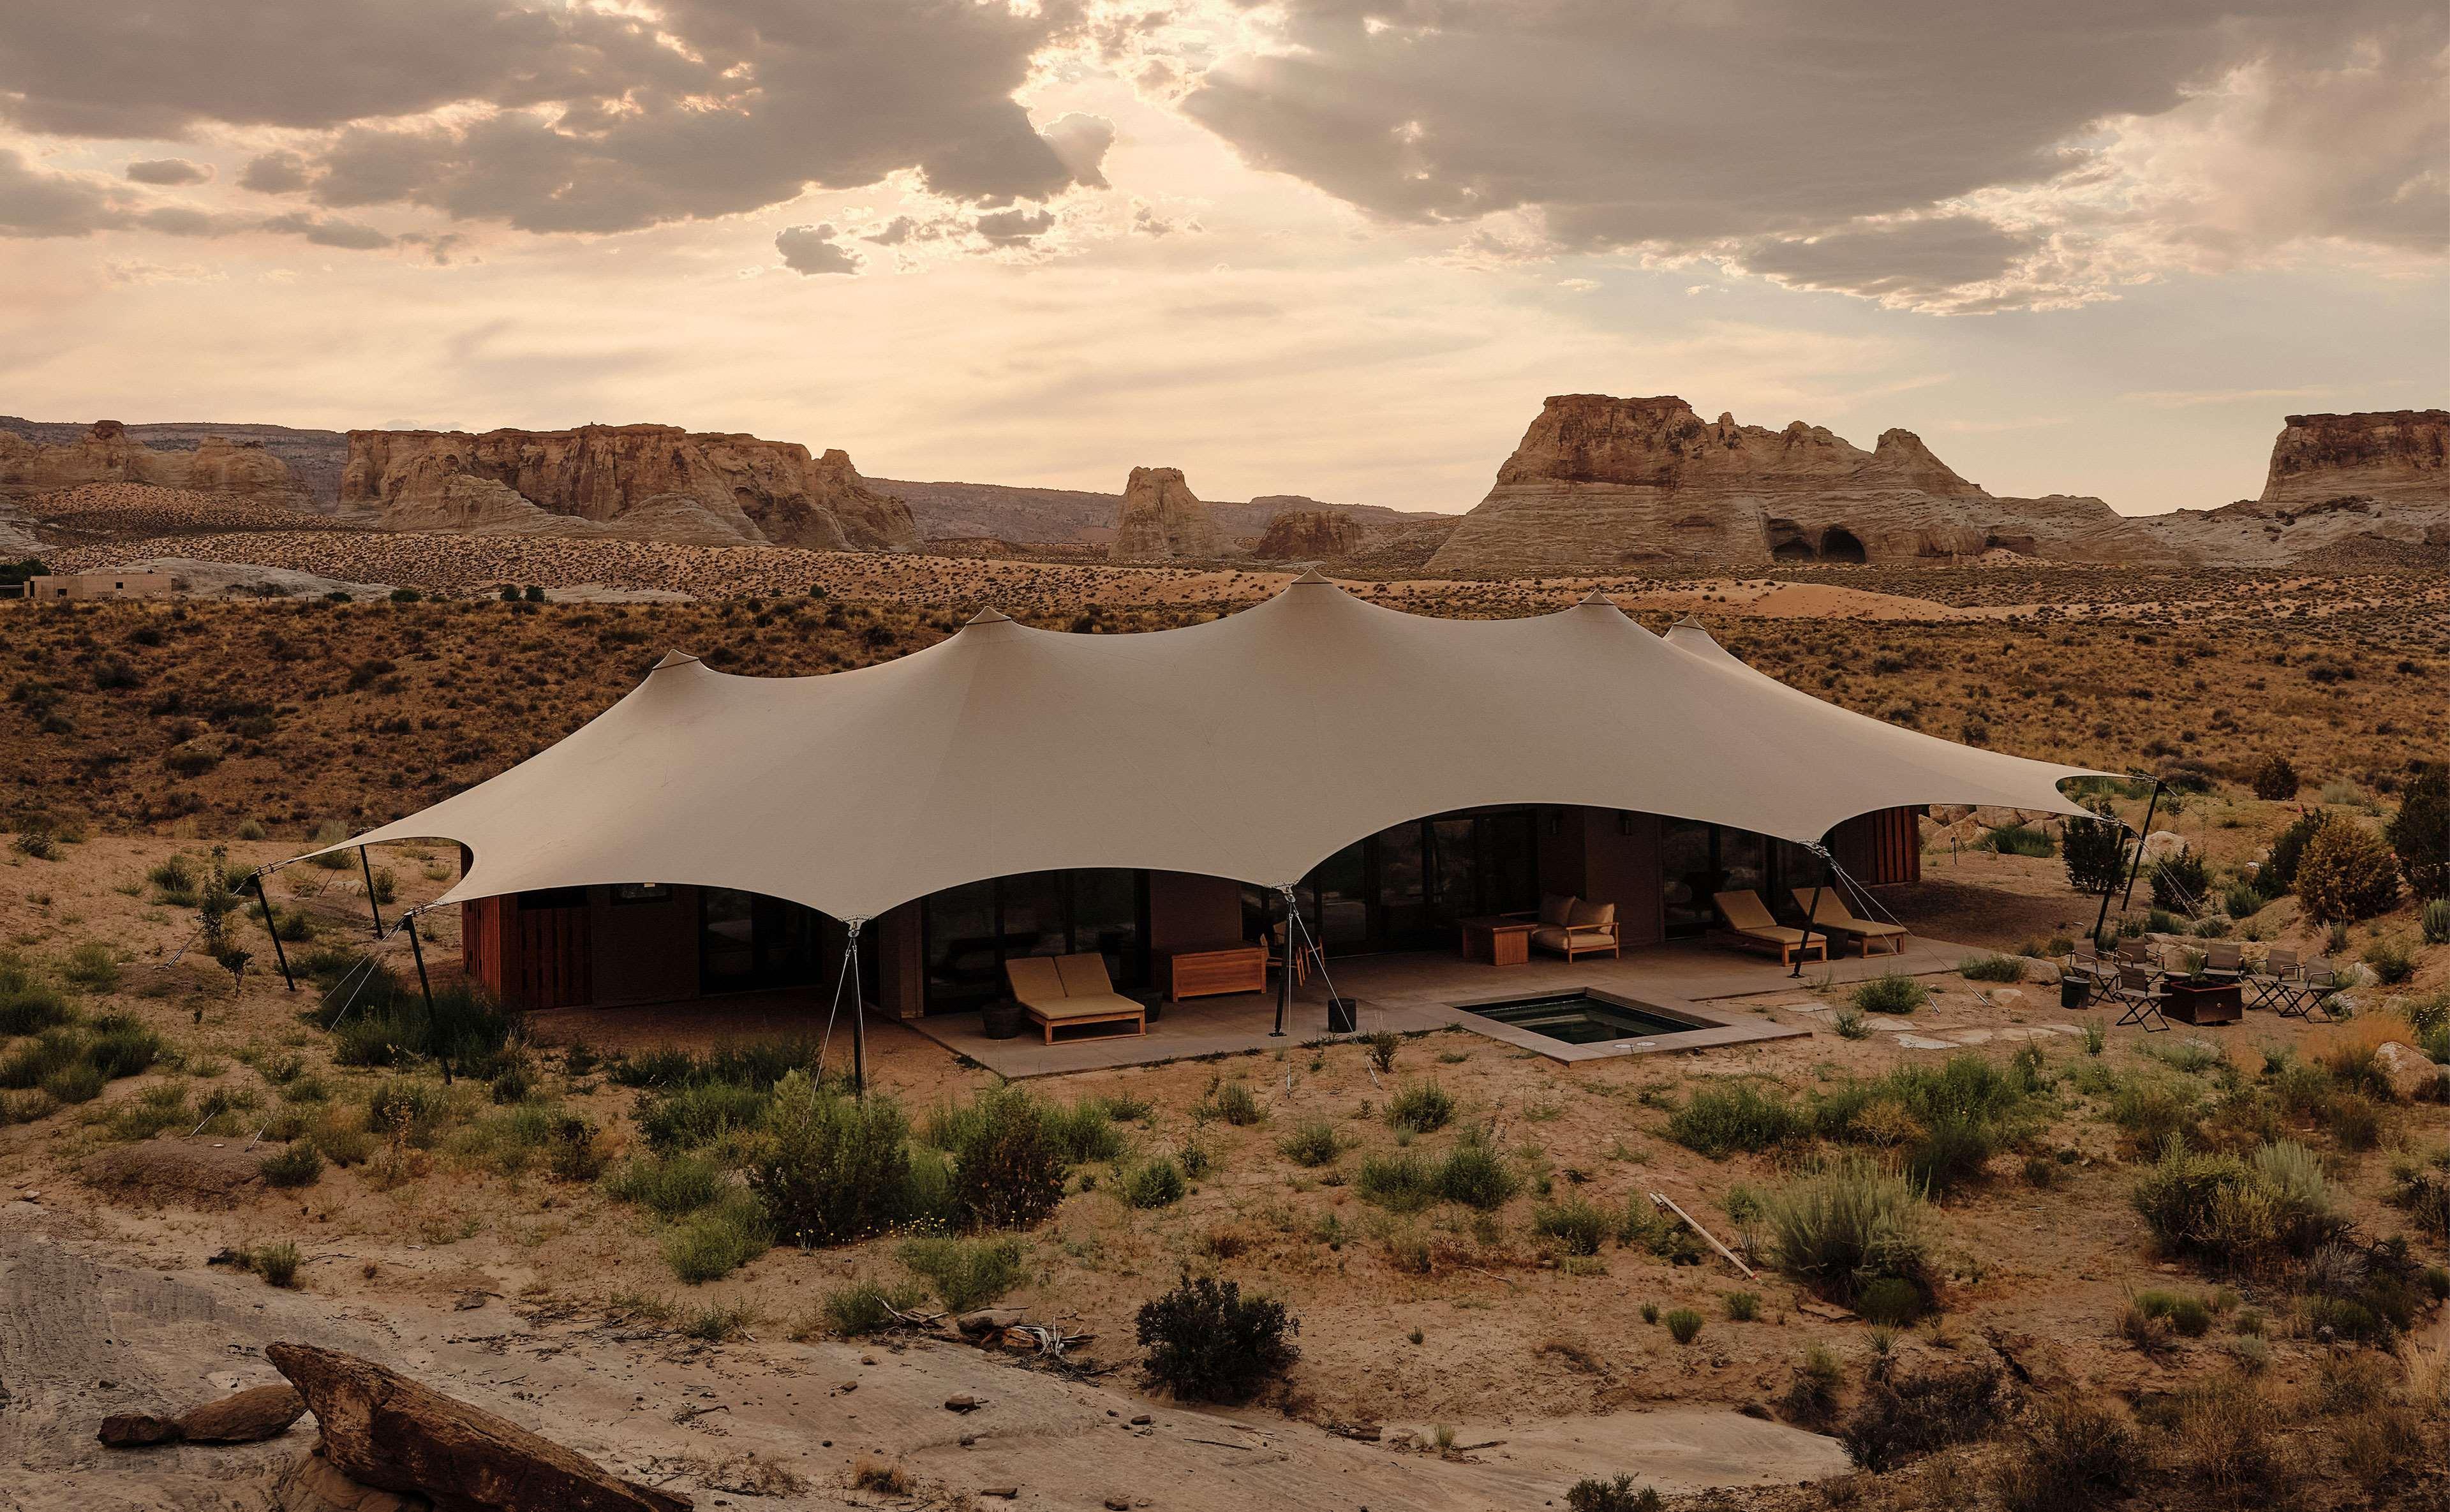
{"points": [[384, 1430], [259, 1412]]}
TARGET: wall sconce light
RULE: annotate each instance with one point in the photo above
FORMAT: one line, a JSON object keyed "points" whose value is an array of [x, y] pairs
{"points": [[1624, 820], [1556, 822]]}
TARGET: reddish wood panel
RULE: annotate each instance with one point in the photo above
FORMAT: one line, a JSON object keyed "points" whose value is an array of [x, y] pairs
{"points": [[480, 942], [1880, 847], [527, 956]]}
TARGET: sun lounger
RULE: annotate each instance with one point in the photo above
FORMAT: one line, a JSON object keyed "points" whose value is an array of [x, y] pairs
{"points": [[1060, 991], [1751, 927], [1833, 915]]}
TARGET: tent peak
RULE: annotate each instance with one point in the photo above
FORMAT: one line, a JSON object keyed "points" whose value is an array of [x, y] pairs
{"points": [[1595, 598], [1314, 575], [989, 615], [672, 659]]}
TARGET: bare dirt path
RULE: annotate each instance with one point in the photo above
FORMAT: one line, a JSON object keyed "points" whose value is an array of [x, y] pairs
{"points": [[82, 1335]]}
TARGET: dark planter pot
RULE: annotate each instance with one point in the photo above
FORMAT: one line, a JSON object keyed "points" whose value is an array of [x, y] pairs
{"points": [[2072, 992], [1000, 1020], [1343, 1015]]}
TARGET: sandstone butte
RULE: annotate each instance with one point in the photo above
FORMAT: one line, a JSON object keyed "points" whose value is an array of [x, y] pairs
{"points": [[106, 455], [2342, 488], [1318, 535], [1162, 520], [1603, 484], [642, 482]]}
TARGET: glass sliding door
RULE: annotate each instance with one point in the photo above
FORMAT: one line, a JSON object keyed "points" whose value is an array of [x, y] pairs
{"points": [[1406, 887], [747, 941], [1402, 900], [1688, 876], [967, 933], [958, 926]]}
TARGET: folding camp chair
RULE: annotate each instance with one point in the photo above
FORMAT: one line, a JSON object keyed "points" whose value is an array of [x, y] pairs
{"points": [[2273, 983], [2085, 965], [2143, 1000], [2224, 961], [2138, 953], [2311, 993]]}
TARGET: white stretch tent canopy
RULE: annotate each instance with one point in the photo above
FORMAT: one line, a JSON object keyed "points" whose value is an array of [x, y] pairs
{"points": [[1253, 747]]}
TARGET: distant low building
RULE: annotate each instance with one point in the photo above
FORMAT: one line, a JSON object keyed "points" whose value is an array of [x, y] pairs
{"points": [[100, 585]]}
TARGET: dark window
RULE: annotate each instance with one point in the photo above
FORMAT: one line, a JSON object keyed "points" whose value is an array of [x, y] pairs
{"points": [[642, 892], [554, 898], [1407, 887], [967, 933]]}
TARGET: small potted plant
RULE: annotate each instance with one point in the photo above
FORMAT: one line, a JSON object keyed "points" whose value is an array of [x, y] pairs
{"points": [[1001, 1019]]}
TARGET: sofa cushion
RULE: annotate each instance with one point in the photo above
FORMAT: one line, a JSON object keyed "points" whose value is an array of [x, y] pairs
{"points": [[1584, 914], [1555, 908], [1035, 980], [1084, 975], [1549, 937]]}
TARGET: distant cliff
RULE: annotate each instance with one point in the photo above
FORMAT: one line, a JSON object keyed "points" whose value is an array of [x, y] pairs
{"points": [[1600, 484], [1162, 520], [105, 454], [2342, 490], [646, 482]]}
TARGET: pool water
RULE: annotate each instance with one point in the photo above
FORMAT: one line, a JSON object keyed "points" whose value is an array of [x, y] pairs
{"points": [[1579, 1018]]}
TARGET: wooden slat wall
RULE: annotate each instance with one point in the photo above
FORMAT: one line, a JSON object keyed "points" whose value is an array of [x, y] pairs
{"points": [[1881, 847], [549, 964], [480, 940]]}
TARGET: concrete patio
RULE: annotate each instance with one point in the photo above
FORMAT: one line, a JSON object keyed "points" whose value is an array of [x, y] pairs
{"points": [[1418, 992]]}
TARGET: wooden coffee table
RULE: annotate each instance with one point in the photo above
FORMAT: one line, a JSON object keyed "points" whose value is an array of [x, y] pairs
{"points": [[1497, 940], [2200, 1001], [1207, 971]]}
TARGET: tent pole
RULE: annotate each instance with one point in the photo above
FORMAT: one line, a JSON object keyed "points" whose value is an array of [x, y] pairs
{"points": [[367, 867], [2141, 836], [425, 985], [858, 1012], [1285, 969], [2102, 921], [272, 927], [1828, 866]]}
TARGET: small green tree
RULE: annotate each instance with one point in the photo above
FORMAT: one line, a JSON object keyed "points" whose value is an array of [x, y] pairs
{"points": [[2180, 882], [2095, 853], [2346, 874], [1207, 1343], [2275, 781], [829, 1169], [2420, 833]]}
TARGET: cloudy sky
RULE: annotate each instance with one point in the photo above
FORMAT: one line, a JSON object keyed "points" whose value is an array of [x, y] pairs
{"points": [[1334, 247]]}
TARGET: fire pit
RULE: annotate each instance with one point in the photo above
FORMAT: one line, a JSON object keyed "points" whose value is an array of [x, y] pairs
{"points": [[2204, 999]]}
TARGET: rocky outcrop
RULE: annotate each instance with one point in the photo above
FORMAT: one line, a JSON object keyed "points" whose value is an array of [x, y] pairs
{"points": [[642, 482], [2342, 490], [1309, 535], [1162, 520], [105, 454], [247, 1417], [385, 1430], [1603, 484]]}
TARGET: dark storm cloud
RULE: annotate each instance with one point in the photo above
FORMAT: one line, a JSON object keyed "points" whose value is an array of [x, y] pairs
{"points": [[812, 250], [1688, 125], [168, 172], [1012, 227], [569, 120], [1910, 260]]}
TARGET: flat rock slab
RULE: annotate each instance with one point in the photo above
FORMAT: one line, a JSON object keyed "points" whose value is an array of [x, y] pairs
{"points": [[262, 1412], [191, 1173]]}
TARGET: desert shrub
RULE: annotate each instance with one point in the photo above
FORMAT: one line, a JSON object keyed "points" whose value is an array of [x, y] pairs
{"points": [[1578, 1225], [2069, 1453], [1948, 1120], [1237, 1104], [2278, 873], [1891, 1302], [1614, 1494], [1891, 992], [276, 1263], [2421, 1187], [77, 1081], [2189, 1317], [1992, 968], [669, 1186], [1849, 1225], [1313, 1143], [717, 1240], [1715, 1120], [2235, 1212], [174, 881], [2348, 873], [700, 1113], [1154, 1183], [966, 1273], [2391, 960], [1901, 1418], [2017, 839], [120, 1046], [1008, 1166], [1382, 1046], [865, 1307], [1811, 1399], [1085, 1128], [1420, 1106], [2435, 921], [2241, 900], [828, 1167], [1850, 1023], [28, 1063], [2181, 881], [2420, 833], [1401, 1182], [1684, 1324], [1207, 1343], [2155, 1112], [385, 1021], [1474, 1175], [92, 966], [28, 1005], [1743, 1307], [299, 1165], [2275, 780]]}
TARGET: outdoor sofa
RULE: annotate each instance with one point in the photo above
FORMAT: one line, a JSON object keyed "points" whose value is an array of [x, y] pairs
{"points": [[1573, 928], [1060, 991]]}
